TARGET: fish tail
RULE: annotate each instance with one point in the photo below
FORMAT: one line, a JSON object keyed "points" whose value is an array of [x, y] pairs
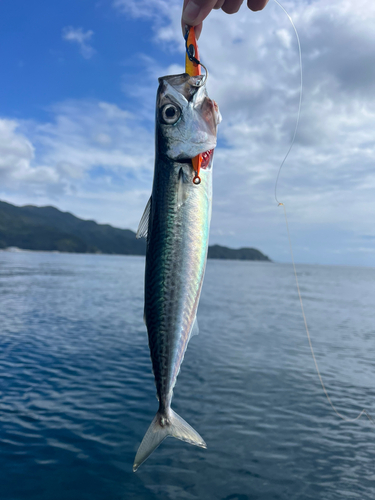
{"points": [[163, 426]]}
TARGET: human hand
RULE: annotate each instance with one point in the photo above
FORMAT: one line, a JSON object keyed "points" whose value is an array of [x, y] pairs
{"points": [[195, 11]]}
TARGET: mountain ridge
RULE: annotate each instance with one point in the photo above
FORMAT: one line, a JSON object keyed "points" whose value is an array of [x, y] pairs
{"points": [[47, 228]]}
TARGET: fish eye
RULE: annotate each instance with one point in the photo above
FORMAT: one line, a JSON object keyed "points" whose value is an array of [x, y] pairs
{"points": [[170, 114]]}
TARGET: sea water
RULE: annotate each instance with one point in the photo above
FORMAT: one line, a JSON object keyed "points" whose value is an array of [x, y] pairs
{"points": [[77, 393]]}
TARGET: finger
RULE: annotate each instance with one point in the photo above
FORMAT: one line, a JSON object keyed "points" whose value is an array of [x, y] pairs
{"points": [[194, 11], [183, 24], [198, 30], [256, 4], [219, 4], [232, 6]]}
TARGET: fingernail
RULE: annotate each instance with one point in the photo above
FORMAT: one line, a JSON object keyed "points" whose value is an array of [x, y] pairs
{"points": [[191, 12]]}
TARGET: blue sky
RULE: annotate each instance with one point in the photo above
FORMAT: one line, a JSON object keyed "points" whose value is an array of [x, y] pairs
{"points": [[40, 66], [78, 83]]}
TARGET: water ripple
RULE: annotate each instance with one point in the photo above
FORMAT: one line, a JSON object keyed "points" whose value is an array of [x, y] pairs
{"points": [[77, 392]]}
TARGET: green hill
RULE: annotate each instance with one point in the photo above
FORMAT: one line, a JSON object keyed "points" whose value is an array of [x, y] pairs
{"points": [[219, 252], [47, 228]]}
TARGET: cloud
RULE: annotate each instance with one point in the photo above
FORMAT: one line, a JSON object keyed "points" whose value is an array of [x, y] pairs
{"points": [[78, 36], [146, 8], [329, 178], [16, 157]]}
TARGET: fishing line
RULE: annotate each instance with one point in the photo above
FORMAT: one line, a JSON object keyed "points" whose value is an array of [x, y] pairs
{"points": [[364, 411], [299, 103]]}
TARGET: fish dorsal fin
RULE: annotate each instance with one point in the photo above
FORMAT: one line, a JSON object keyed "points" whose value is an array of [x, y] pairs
{"points": [[143, 224], [183, 187]]}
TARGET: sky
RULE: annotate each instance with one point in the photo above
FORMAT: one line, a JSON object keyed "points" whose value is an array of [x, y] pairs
{"points": [[78, 84]]}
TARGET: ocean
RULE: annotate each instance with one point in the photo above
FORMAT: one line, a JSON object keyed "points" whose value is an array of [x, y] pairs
{"points": [[77, 393]]}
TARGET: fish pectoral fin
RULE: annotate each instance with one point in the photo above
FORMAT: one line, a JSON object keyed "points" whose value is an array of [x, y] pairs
{"points": [[195, 329], [143, 224], [184, 181], [174, 426]]}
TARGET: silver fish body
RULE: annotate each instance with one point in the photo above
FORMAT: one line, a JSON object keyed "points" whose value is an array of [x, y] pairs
{"points": [[176, 222]]}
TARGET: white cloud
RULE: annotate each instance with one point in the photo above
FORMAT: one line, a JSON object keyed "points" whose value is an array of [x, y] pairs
{"points": [[93, 134], [146, 8], [78, 36], [16, 158]]}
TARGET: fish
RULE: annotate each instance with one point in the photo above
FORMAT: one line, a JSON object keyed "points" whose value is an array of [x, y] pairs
{"points": [[176, 223]]}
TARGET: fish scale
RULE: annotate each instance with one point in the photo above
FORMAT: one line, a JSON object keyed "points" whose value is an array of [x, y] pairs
{"points": [[166, 280]]}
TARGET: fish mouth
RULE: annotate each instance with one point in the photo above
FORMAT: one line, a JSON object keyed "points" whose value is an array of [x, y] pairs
{"points": [[206, 158]]}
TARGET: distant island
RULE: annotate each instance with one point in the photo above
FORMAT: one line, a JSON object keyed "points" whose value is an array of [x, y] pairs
{"points": [[49, 229], [219, 252]]}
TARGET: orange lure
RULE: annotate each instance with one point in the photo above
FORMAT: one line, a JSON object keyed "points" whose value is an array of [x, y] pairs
{"points": [[193, 69]]}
